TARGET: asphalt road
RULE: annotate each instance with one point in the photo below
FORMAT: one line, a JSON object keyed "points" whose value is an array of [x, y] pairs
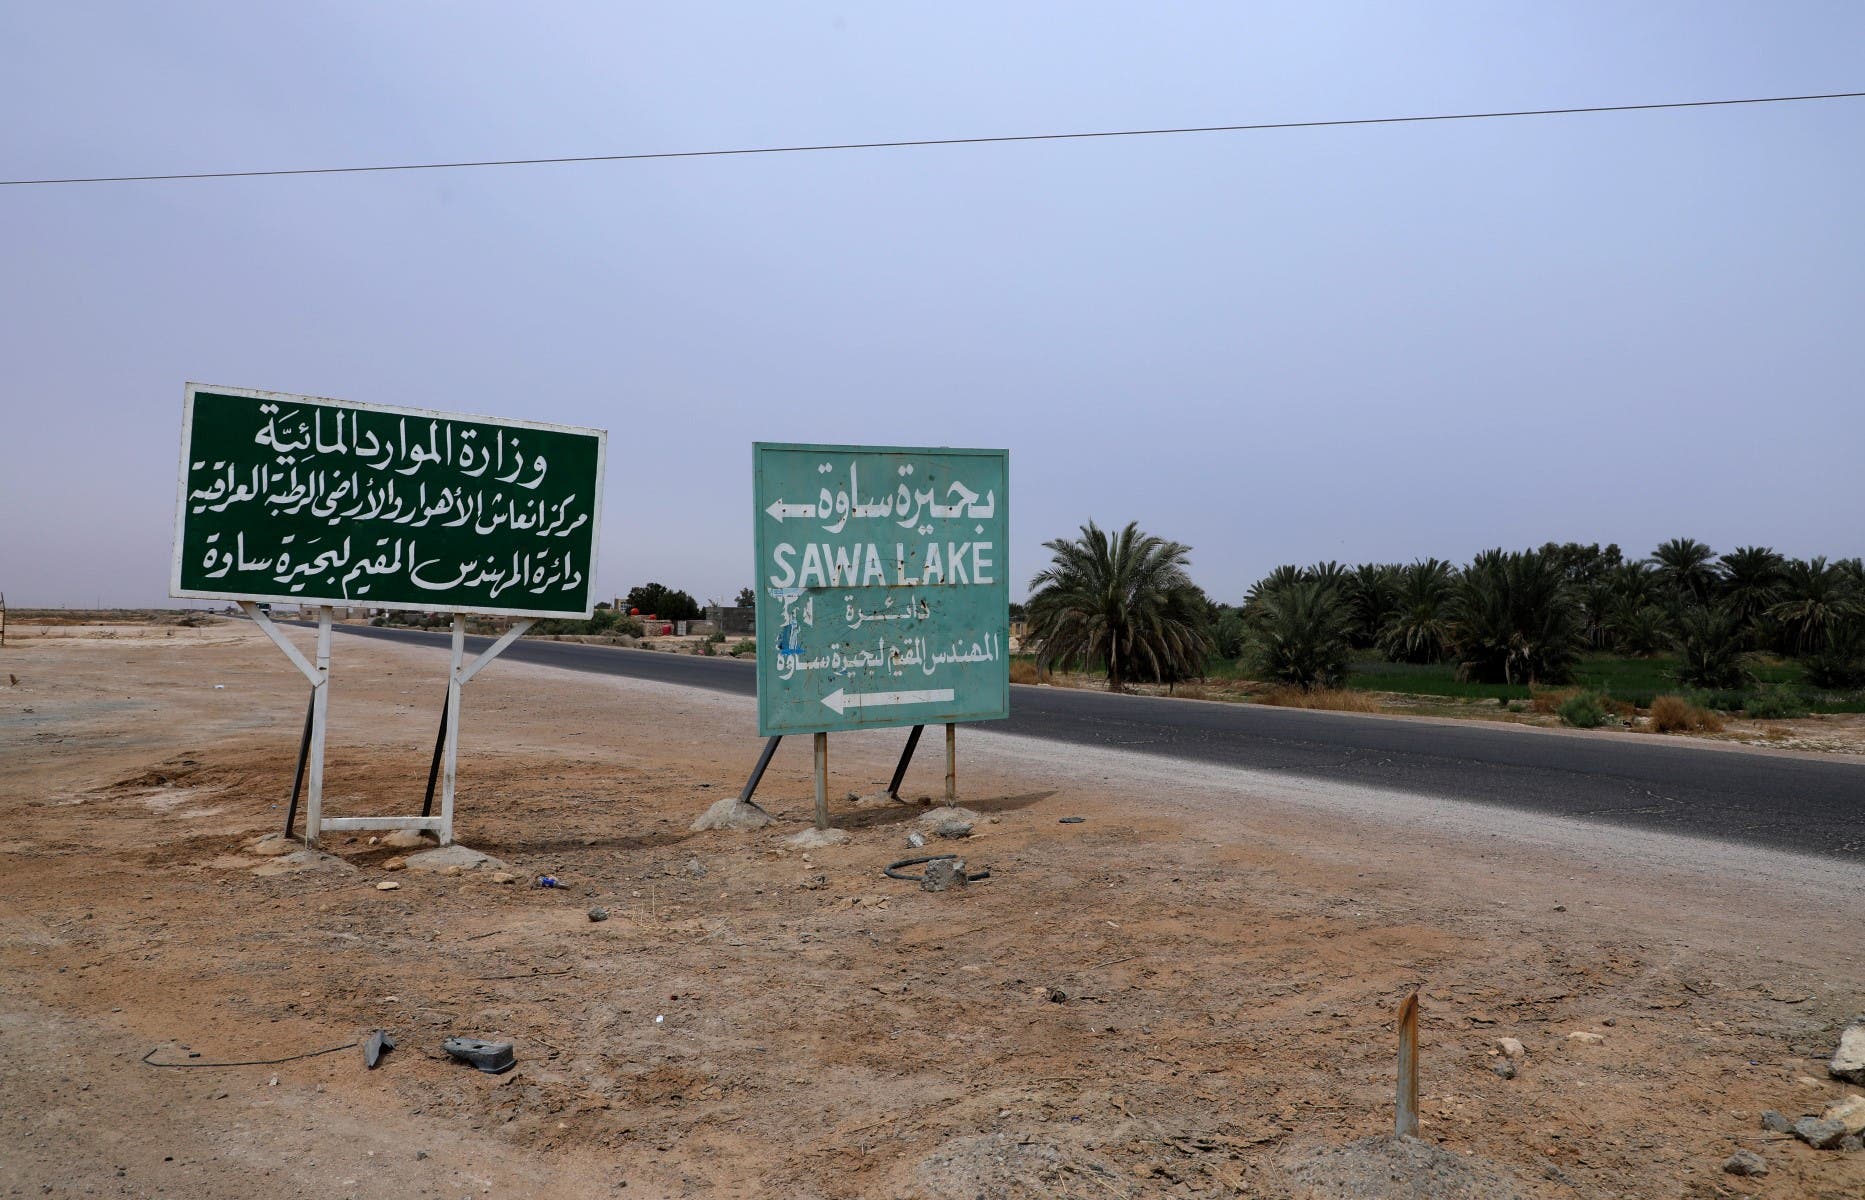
{"points": [[1785, 802]]}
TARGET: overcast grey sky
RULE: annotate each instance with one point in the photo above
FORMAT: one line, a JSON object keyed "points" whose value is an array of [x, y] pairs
{"points": [[1361, 343]]}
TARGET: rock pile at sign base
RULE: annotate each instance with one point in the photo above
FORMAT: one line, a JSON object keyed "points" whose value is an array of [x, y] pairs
{"points": [[816, 839], [456, 858], [304, 860], [732, 813]]}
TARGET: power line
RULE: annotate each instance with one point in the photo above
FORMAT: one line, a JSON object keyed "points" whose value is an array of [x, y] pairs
{"points": [[961, 141]]}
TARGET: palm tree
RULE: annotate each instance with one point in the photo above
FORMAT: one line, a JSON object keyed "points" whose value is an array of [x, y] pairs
{"points": [[1515, 619], [1815, 600], [1709, 643], [1419, 630], [1751, 583], [1124, 601], [1684, 566], [1282, 576], [1372, 594], [1302, 634]]}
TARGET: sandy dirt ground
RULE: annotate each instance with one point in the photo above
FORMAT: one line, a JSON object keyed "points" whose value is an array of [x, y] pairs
{"points": [[1190, 992]]}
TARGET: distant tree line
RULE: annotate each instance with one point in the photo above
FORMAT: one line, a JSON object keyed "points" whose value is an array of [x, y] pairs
{"points": [[1525, 617], [1125, 604]]}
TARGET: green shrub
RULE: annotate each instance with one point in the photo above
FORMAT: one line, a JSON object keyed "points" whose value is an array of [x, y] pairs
{"points": [[1775, 704], [1582, 710]]}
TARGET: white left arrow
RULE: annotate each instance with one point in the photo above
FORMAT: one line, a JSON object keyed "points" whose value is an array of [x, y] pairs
{"points": [[840, 700], [780, 510]]}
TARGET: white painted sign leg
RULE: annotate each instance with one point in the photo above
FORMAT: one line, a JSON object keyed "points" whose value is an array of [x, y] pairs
{"points": [[450, 765], [320, 712]]}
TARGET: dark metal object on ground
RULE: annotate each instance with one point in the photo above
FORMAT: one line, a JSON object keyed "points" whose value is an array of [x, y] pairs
{"points": [[906, 756], [375, 1046], [304, 752], [490, 1057], [433, 767], [757, 772], [1071, 820], [892, 870]]}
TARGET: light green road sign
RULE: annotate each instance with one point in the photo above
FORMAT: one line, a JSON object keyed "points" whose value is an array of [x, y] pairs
{"points": [[302, 500], [882, 589]]}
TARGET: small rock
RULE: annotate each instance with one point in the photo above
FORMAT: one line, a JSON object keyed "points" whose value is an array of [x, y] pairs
{"points": [[419, 1155], [397, 863], [387, 885], [1819, 1133], [1055, 995], [452, 860], [1774, 1122], [1581, 1038], [816, 839], [1503, 1068], [944, 874], [598, 913], [409, 839], [503, 877], [953, 829], [1511, 1048], [1560, 908], [816, 882], [1849, 1112], [1852, 1142], [1849, 1059], [695, 868], [1745, 1162], [915, 840]]}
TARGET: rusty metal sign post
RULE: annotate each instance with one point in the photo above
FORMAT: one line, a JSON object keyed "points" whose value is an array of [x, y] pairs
{"points": [[1405, 1123]]}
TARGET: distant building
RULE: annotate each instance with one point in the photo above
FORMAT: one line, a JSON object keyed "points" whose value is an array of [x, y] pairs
{"points": [[733, 622]]}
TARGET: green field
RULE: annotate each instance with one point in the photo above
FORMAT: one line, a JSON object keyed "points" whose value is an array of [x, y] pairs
{"points": [[1634, 680]]}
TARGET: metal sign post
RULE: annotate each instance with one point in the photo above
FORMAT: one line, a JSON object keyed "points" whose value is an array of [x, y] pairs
{"points": [[327, 504], [888, 599]]}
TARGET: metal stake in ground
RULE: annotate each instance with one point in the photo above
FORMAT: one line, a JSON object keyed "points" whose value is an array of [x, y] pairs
{"points": [[822, 781], [1406, 1124], [304, 752], [951, 764], [906, 756]]}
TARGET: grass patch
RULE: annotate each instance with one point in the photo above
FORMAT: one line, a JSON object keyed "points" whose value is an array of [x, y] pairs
{"points": [[1023, 670], [1332, 699]]}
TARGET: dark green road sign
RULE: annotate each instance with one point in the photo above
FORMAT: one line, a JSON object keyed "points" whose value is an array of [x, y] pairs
{"points": [[883, 596], [302, 500]]}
